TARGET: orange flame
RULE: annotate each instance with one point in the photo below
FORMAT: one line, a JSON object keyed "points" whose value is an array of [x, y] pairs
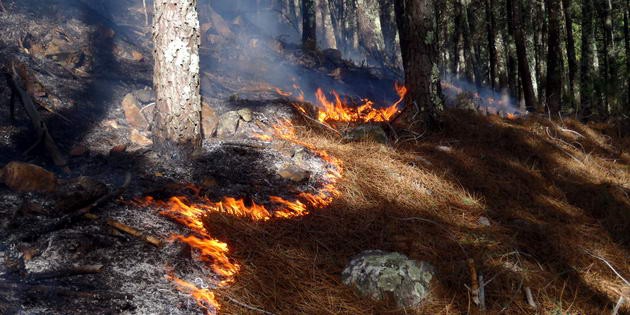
{"points": [[338, 110], [215, 253]]}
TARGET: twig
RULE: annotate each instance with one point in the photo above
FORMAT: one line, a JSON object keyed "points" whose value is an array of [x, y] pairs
{"points": [[618, 305], [482, 293], [38, 123], [530, 297], [66, 272], [316, 121], [609, 266], [474, 281], [2, 8], [134, 232], [247, 306], [146, 13]]}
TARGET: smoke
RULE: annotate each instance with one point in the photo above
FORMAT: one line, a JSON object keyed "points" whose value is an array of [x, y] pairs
{"points": [[462, 93]]}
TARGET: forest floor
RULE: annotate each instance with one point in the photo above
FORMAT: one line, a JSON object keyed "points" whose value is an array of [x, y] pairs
{"points": [[538, 205]]}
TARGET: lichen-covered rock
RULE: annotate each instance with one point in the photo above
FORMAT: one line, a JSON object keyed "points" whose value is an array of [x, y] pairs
{"points": [[377, 274], [228, 124]]}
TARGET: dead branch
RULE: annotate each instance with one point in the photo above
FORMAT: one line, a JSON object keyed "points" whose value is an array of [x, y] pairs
{"points": [[247, 306], [134, 232], [474, 281], [2, 8], [146, 13], [43, 135], [319, 123], [66, 272], [618, 305]]}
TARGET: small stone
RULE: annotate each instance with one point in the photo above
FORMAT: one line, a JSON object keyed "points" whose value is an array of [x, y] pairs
{"points": [[294, 173], [377, 274], [137, 56], [444, 148], [79, 150], [228, 124], [25, 177], [145, 96], [484, 221], [134, 117], [246, 114], [209, 120], [139, 139], [118, 149], [366, 132]]}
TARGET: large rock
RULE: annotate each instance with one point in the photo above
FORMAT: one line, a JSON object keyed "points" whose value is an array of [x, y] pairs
{"points": [[26, 177], [378, 274], [134, 117], [366, 132]]}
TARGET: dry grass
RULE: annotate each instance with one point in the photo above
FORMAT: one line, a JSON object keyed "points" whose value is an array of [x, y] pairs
{"points": [[553, 191]]}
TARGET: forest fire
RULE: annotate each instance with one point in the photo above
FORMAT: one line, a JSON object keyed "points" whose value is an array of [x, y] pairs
{"points": [[338, 110], [215, 253]]}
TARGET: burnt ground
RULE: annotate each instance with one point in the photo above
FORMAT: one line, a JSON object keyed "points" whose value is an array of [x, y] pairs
{"points": [[83, 58]]}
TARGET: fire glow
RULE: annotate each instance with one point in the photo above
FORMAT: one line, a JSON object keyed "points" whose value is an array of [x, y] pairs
{"points": [[215, 253]]}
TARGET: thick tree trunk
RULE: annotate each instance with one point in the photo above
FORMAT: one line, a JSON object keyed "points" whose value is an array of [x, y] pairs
{"points": [[419, 54], [455, 39], [369, 29], [309, 25], [604, 12], [491, 35], [570, 44], [177, 120], [554, 58], [328, 31], [521, 55], [586, 64]]}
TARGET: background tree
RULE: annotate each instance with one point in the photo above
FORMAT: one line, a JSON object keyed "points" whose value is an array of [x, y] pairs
{"points": [[415, 20], [176, 75], [309, 25], [554, 58]]}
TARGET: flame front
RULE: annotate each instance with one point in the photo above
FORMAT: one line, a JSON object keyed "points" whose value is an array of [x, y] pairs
{"points": [[215, 253], [338, 110]]}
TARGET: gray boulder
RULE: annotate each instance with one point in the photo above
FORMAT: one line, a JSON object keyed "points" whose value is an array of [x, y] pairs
{"points": [[377, 274]]}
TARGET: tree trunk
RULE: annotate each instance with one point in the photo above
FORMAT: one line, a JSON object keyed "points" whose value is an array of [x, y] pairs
{"points": [[327, 25], [604, 12], [309, 25], [554, 58], [586, 64], [570, 44], [491, 35], [626, 36], [176, 38], [455, 39], [390, 31], [419, 54], [521, 55], [369, 29]]}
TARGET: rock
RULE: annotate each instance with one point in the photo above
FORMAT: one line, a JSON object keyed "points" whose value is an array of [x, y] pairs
{"points": [[209, 120], [366, 132], [484, 221], [293, 173], [246, 114], [228, 123], [79, 150], [137, 56], [118, 149], [134, 117], [145, 96], [78, 193], [377, 274], [139, 139], [25, 177]]}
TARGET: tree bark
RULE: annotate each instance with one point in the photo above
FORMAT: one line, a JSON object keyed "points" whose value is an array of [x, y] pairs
{"points": [[309, 25], [419, 54], [388, 24], [176, 38], [491, 35], [626, 36], [554, 58], [570, 46], [369, 29], [521, 55], [586, 64]]}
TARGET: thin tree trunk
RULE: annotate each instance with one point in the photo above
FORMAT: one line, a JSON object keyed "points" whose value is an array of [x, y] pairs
{"points": [[388, 24], [419, 54], [604, 12], [626, 36], [521, 54], [586, 64], [176, 38], [570, 44], [491, 35], [554, 58], [309, 25], [455, 39]]}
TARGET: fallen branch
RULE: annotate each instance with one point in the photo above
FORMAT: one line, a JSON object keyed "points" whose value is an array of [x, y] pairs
{"points": [[134, 232], [66, 272], [247, 306], [2, 8], [474, 281], [43, 134]]}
